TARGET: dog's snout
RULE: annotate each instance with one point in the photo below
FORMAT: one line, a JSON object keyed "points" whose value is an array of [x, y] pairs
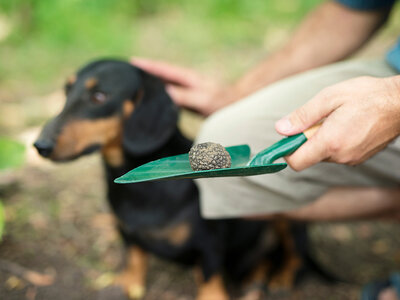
{"points": [[44, 147]]}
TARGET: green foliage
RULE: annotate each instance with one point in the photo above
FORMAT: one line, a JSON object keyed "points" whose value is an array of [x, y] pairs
{"points": [[47, 36], [11, 155]]}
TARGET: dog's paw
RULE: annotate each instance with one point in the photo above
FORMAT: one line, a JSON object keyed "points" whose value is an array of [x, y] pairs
{"points": [[134, 289], [212, 297], [254, 291]]}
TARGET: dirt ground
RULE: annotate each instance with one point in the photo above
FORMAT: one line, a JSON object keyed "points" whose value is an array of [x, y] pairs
{"points": [[58, 224]]}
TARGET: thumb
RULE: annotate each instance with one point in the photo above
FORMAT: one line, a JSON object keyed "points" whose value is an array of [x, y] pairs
{"points": [[307, 115]]}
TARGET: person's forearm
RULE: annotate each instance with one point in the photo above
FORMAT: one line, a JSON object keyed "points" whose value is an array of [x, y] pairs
{"points": [[330, 33], [348, 203]]}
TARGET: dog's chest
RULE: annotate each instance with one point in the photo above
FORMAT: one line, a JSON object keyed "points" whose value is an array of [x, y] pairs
{"points": [[151, 204]]}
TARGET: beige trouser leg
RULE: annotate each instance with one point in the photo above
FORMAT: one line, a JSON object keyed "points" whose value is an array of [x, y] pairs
{"points": [[251, 121]]}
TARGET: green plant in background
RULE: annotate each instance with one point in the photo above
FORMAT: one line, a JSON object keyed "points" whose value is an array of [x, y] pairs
{"points": [[11, 153], [47, 39], [42, 41], [11, 156], [2, 220]]}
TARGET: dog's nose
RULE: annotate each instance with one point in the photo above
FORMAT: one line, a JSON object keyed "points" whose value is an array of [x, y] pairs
{"points": [[44, 147]]}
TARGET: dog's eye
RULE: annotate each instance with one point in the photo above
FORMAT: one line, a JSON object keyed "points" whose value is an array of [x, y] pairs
{"points": [[99, 97]]}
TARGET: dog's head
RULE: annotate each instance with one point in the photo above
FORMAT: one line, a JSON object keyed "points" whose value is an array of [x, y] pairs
{"points": [[110, 103]]}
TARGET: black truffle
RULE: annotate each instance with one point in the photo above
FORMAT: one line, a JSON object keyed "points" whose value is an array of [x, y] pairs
{"points": [[209, 156]]}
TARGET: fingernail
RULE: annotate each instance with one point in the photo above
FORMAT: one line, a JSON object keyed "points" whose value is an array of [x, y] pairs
{"points": [[284, 125]]}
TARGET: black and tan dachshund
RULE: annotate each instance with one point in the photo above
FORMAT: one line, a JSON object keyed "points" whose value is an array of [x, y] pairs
{"points": [[126, 113]]}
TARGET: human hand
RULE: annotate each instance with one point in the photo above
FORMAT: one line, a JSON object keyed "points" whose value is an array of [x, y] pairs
{"points": [[362, 117], [187, 88]]}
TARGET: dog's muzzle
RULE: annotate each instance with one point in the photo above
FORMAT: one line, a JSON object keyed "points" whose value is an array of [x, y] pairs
{"points": [[44, 147]]}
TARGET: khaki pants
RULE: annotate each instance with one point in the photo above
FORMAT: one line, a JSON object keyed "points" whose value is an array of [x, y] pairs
{"points": [[251, 121]]}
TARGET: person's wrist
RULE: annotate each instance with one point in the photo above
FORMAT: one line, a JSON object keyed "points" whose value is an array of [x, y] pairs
{"points": [[237, 91], [228, 94]]}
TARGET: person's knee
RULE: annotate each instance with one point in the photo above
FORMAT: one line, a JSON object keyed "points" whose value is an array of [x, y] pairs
{"points": [[217, 128]]}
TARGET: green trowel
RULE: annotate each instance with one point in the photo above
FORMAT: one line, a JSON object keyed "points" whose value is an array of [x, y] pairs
{"points": [[178, 167]]}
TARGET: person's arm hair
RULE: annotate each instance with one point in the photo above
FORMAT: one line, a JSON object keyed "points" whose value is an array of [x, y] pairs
{"points": [[330, 33]]}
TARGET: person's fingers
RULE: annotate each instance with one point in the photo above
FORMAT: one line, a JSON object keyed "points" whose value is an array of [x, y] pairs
{"points": [[307, 115], [168, 72], [178, 94], [311, 152], [189, 98], [183, 96]]}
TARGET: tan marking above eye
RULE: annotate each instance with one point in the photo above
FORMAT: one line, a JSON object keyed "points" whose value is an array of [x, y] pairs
{"points": [[127, 108], [91, 83]]}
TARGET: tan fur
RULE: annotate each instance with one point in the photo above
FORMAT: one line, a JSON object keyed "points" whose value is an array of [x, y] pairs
{"points": [[176, 234], [254, 282], [259, 274], [78, 135], [213, 289], [128, 108], [90, 83], [112, 153], [285, 278], [133, 278]]}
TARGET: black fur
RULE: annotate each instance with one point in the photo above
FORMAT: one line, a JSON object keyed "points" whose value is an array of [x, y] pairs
{"points": [[142, 209], [156, 117]]}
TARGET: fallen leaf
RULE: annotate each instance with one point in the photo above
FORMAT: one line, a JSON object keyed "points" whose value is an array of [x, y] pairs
{"points": [[13, 282]]}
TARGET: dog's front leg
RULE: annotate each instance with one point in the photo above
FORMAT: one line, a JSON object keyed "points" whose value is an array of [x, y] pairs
{"points": [[211, 289], [284, 279], [133, 278]]}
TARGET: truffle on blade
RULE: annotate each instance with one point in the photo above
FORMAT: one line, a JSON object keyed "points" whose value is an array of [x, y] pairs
{"points": [[209, 156]]}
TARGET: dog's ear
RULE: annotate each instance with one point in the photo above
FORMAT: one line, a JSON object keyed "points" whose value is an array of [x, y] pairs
{"points": [[153, 121]]}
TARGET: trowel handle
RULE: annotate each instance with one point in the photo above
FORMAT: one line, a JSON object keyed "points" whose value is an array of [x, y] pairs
{"points": [[311, 131], [285, 146]]}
